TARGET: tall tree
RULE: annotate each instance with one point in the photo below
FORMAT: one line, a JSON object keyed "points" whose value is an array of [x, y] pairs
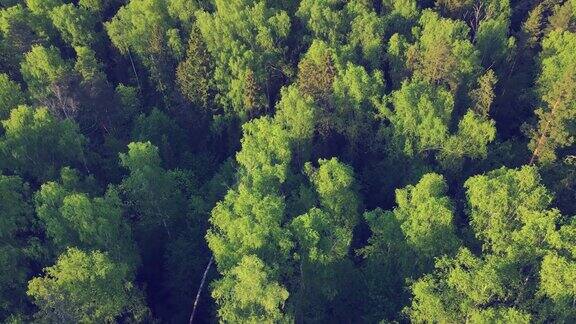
{"points": [[11, 96], [74, 219], [76, 24], [245, 37], [152, 191], [443, 53], [15, 224], [406, 241], [195, 74], [324, 235], [511, 216], [52, 81], [37, 145], [557, 89], [87, 287]]}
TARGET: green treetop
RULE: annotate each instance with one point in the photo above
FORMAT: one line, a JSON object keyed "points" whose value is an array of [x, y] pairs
{"points": [[522, 245], [76, 24], [510, 210], [51, 80], [443, 53], [74, 219], [87, 287], [405, 243], [36, 144], [557, 88], [248, 294], [152, 191], [245, 39], [132, 27], [11, 95]]}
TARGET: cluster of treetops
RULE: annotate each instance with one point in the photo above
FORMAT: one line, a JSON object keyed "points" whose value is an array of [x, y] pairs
{"points": [[340, 161]]}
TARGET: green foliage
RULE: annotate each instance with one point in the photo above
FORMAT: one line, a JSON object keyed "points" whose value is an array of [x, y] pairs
{"points": [[323, 19], [88, 66], [195, 74], [557, 89], [75, 24], [246, 222], [132, 27], [297, 114], [357, 95], [316, 73], [265, 154], [352, 27], [249, 295], [245, 38], [162, 132], [15, 209], [11, 96], [36, 144], [443, 52], [511, 281], [510, 210], [426, 217], [471, 140], [483, 96], [557, 276], [184, 10], [420, 124], [43, 67], [421, 115], [396, 55], [73, 219], [43, 7], [129, 101], [20, 30], [150, 188], [16, 220], [15, 272], [366, 33], [87, 287], [406, 241], [142, 138], [95, 6], [324, 237], [492, 42], [460, 287], [334, 183]]}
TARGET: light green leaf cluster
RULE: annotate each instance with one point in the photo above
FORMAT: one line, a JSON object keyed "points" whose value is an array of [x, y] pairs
{"points": [[526, 269], [245, 38], [421, 116], [43, 67], [557, 88], [442, 52], [76, 24], [510, 211], [87, 287], [74, 219], [38, 145], [248, 294], [131, 28], [351, 27]]}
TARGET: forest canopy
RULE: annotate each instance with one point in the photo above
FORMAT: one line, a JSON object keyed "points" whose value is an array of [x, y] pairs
{"points": [[303, 161]]}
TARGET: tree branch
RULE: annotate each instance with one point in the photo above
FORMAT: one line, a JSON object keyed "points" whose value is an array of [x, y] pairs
{"points": [[200, 289]]}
